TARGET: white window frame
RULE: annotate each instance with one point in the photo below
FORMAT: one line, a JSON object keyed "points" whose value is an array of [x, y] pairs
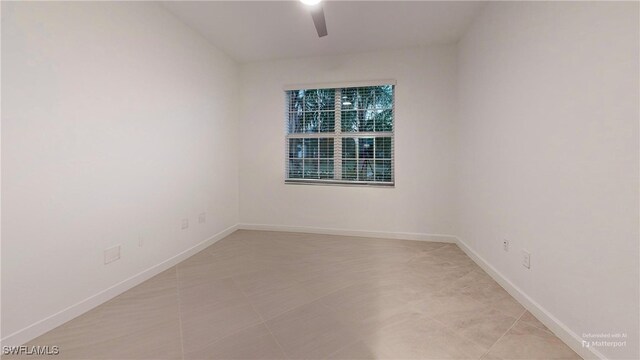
{"points": [[337, 135]]}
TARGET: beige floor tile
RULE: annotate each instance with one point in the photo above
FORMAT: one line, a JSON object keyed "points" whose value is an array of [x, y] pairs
{"points": [[422, 338], [356, 351], [312, 331], [130, 314], [524, 341], [214, 293], [202, 258], [365, 309], [141, 323], [443, 302], [358, 296], [327, 283], [272, 303], [483, 326], [230, 246], [209, 268], [442, 267], [255, 342], [212, 311], [202, 329], [488, 293], [162, 341], [467, 317], [529, 319], [405, 283], [159, 342], [434, 281], [321, 297], [74, 338], [260, 282]]}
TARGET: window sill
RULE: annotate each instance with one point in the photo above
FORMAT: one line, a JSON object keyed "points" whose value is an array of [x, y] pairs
{"points": [[340, 183]]}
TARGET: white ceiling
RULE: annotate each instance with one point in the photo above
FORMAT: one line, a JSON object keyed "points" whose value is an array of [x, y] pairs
{"points": [[251, 31]]}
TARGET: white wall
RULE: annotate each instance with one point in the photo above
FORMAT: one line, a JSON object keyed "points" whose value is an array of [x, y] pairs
{"points": [[548, 135], [421, 201], [117, 122]]}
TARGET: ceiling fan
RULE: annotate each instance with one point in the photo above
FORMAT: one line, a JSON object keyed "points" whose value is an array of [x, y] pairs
{"points": [[317, 14]]}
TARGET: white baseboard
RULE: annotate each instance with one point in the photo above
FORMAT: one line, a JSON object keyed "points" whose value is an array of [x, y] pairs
{"points": [[358, 233], [556, 326], [34, 330]]}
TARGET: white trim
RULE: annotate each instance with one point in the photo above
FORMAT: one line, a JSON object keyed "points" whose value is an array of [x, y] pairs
{"points": [[332, 182], [338, 137], [347, 232], [331, 135], [561, 330], [38, 328], [334, 85]]}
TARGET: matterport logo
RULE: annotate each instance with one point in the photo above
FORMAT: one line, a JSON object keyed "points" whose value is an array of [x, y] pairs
{"points": [[610, 340], [31, 350]]}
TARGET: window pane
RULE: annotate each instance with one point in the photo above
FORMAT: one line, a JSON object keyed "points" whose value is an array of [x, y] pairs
{"points": [[365, 170], [383, 148], [326, 148], [326, 169], [383, 120], [384, 97], [366, 98], [365, 148], [349, 171], [326, 99], [310, 168], [348, 148], [295, 169], [360, 120], [349, 98], [310, 122], [349, 121], [358, 98], [327, 121], [319, 99], [295, 148], [295, 100], [383, 170], [311, 100], [296, 122], [363, 110], [310, 148], [365, 120]]}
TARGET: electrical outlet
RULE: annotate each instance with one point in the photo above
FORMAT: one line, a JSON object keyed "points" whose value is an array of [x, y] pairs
{"points": [[202, 218], [526, 259], [111, 254], [505, 245], [185, 223]]}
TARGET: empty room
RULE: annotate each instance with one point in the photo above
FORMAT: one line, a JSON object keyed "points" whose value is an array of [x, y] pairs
{"points": [[318, 179]]}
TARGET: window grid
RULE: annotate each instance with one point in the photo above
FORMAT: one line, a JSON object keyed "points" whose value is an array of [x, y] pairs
{"points": [[371, 162], [380, 157]]}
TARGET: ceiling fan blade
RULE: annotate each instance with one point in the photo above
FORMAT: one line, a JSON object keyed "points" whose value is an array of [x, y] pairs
{"points": [[317, 14]]}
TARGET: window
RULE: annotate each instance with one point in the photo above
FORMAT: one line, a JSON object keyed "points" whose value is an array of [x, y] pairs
{"points": [[340, 135]]}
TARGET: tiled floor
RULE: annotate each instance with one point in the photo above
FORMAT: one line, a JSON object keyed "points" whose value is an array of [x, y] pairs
{"points": [[277, 295]]}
